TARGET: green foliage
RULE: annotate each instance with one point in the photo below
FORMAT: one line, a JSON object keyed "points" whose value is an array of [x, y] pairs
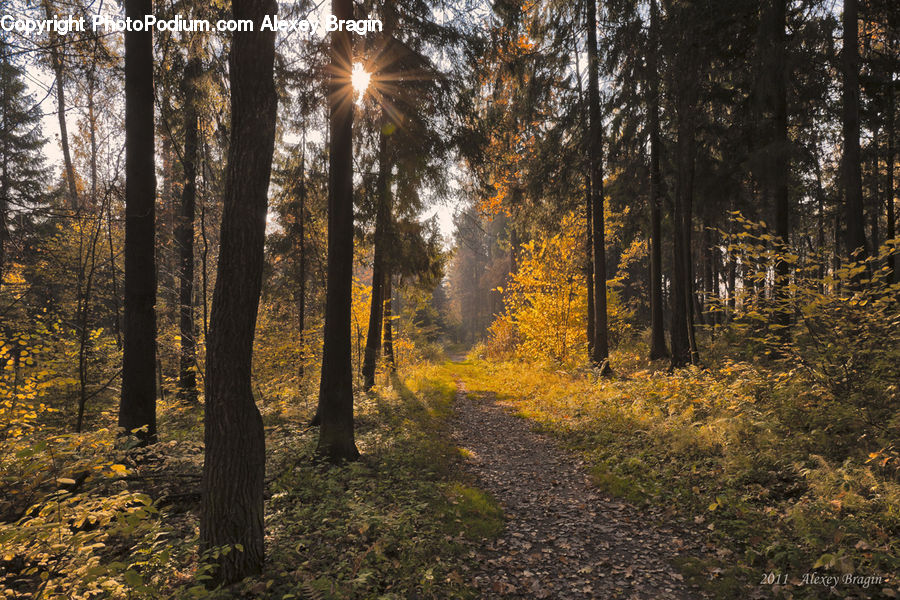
{"points": [[835, 329], [393, 525]]}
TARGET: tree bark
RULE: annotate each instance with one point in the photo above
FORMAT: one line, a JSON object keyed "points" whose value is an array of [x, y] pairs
{"points": [[684, 350], [376, 310], [335, 412], [56, 64], [775, 63], [853, 204], [388, 320], [657, 335], [600, 350], [588, 212], [875, 195], [234, 460], [891, 192], [138, 405], [184, 233], [301, 269]]}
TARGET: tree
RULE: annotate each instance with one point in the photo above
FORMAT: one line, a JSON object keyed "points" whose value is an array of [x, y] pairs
{"points": [[22, 171], [657, 335], [382, 217], [600, 347], [58, 70], [184, 232], [852, 170], [234, 458], [335, 411], [138, 404], [775, 74], [684, 86]]}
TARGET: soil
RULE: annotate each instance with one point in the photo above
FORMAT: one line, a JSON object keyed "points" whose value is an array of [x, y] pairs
{"points": [[564, 538]]}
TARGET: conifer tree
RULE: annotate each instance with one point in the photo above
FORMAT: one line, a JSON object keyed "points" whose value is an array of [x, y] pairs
{"points": [[22, 170]]}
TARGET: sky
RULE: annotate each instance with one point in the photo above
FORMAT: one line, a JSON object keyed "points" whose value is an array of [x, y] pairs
{"points": [[40, 83]]}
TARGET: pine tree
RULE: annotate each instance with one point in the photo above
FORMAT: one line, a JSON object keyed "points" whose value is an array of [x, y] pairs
{"points": [[138, 405], [22, 170]]}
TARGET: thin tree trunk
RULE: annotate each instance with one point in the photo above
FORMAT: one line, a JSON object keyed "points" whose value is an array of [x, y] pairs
{"points": [[335, 412], [600, 351], [820, 221], [589, 263], [56, 63], [301, 270], [376, 310], [657, 336], [588, 211], [891, 192], [875, 195], [775, 52], [117, 322], [853, 204], [138, 406], [234, 460], [389, 321], [4, 166], [184, 233]]}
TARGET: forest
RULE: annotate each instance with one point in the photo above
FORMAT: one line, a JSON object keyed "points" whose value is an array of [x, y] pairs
{"points": [[460, 299]]}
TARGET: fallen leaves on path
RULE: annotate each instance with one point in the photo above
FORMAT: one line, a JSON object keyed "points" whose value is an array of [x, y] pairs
{"points": [[564, 539]]}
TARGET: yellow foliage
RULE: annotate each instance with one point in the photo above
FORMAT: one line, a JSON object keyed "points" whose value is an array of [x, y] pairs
{"points": [[546, 301]]}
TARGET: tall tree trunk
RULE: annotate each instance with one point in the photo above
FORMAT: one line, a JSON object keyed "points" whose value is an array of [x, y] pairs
{"points": [[4, 163], [234, 460], [376, 310], [853, 204], [682, 323], [775, 63], [58, 71], [184, 232], [891, 192], [600, 350], [388, 320], [301, 269], [588, 211], [875, 195], [138, 406], [589, 263], [335, 413], [657, 335]]}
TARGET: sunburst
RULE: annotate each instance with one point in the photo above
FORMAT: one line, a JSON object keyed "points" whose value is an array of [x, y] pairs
{"points": [[360, 78]]}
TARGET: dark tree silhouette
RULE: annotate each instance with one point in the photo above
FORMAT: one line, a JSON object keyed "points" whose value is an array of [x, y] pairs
{"points": [[138, 406], [657, 334], [382, 215], [184, 233], [234, 461], [335, 410], [600, 347], [853, 204]]}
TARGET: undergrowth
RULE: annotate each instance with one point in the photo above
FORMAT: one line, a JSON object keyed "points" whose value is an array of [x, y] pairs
{"points": [[83, 517], [773, 470]]}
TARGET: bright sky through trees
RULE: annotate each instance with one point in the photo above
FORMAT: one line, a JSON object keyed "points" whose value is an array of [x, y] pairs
{"points": [[360, 79]]}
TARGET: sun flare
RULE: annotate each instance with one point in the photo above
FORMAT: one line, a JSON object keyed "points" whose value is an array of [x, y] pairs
{"points": [[360, 79]]}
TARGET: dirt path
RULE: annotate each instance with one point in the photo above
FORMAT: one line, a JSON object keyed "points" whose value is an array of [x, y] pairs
{"points": [[564, 539]]}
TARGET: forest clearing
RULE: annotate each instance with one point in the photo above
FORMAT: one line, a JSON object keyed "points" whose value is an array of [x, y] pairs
{"points": [[451, 299]]}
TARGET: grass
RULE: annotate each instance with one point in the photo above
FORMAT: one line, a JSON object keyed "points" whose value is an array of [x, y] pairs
{"points": [[737, 451], [399, 523]]}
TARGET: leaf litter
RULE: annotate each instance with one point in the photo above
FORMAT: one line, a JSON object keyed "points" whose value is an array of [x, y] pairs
{"points": [[564, 538]]}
